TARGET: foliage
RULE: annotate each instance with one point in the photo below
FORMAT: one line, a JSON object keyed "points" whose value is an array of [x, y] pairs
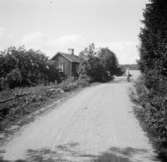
{"points": [[110, 62], [52, 73], [88, 51], [24, 101], [99, 65], [153, 115], [153, 64], [14, 78], [32, 99], [153, 51], [20, 67], [96, 70]]}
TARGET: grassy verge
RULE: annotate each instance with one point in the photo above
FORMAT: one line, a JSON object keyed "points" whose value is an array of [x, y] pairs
{"points": [[18, 105], [152, 117]]}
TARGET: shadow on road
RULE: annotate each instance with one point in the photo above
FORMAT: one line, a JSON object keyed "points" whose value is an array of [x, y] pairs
{"points": [[116, 154], [68, 153]]}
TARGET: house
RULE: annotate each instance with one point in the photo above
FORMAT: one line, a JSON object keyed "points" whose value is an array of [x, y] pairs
{"points": [[67, 63]]}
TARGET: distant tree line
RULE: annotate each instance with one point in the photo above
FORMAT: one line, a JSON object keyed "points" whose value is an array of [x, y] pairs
{"points": [[153, 65], [130, 66]]}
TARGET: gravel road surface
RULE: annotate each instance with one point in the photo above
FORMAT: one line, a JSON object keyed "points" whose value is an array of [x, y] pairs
{"points": [[97, 124]]}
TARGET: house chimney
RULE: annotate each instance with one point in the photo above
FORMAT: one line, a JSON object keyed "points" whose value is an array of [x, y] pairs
{"points": [[71, 51]]}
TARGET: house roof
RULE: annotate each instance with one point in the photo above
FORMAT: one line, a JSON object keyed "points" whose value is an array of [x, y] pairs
{"points": [[71, 58]]}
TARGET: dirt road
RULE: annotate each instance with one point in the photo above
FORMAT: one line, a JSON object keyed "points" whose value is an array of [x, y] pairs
{"points": [[95, 125]]}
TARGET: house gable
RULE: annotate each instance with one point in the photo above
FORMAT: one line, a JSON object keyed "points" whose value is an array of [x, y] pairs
{"points": [[69, 64]]}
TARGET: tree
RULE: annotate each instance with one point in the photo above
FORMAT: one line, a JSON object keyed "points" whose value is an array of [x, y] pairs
{"points": [[153, 51], [88, 51], [85, 56], [153, 65], [20, 67], [99, 65], [110, 62], [96, 70]]}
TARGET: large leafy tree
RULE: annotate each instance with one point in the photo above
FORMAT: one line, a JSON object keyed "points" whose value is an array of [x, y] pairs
{"points": [[110, 61], [99, 65], [95, 69]]}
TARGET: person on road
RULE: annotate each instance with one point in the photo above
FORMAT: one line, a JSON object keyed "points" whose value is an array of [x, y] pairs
{"points": [[129, 75]]}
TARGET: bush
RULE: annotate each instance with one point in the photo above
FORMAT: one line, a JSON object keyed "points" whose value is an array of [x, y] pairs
{"points": [[31, 99], [110, 61], [153, 115], [100, 66], [96, 70], [83, 82], [14, 78], [70, 86], [20, 67], [153, 64]]}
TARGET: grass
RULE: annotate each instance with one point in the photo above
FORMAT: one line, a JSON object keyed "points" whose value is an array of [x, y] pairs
{"points": [[140, 96], [32, 99]]}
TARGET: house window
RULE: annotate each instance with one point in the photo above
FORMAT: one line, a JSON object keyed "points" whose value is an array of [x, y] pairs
{"points": [[61, 67]]}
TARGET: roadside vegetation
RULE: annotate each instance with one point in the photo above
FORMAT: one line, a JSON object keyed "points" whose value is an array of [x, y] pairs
{"points": [[22, 68], [99, 65], [152, 86], [16, 105], [29, 80]]}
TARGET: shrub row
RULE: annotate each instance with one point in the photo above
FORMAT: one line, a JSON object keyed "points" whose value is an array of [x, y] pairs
{"points": [[153, 116], [20, 68], [153, 65]]}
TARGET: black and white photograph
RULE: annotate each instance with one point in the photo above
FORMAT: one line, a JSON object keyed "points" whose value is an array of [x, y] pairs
{"points": [[83, 81]]}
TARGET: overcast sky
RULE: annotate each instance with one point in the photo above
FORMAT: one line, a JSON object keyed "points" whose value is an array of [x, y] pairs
{"points": [[56, 25]]}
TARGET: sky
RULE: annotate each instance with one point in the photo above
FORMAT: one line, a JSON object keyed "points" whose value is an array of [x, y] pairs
{"points": [[56, 25]]}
